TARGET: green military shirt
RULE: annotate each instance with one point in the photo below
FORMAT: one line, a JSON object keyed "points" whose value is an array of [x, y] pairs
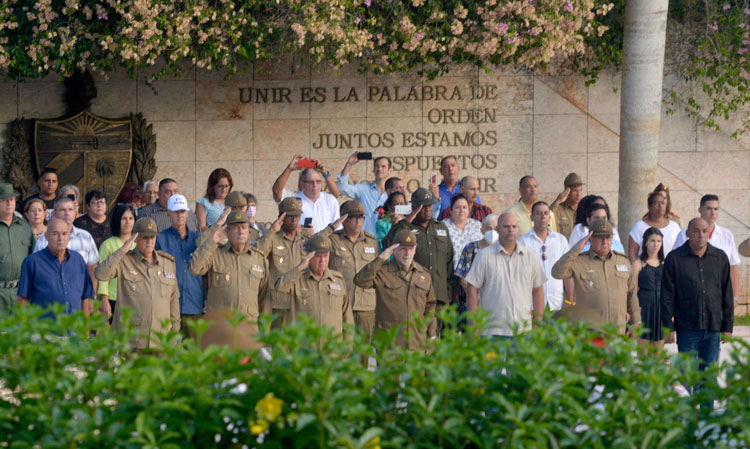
{"points": [[434, 252], [283, 254], [604, 285], [16, 242], [348, 258], [566, 218]]}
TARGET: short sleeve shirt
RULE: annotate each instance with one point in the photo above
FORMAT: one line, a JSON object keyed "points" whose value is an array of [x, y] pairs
{"points": [[505, 282], [45, 281]]}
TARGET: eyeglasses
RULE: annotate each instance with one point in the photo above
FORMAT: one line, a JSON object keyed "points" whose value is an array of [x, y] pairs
{"points": [[544, 252], [223, 186], [101, 202], [313, 182]]}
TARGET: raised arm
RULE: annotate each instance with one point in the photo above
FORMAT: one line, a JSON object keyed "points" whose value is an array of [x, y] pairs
{"points": [[110, 267], [278, 185]]}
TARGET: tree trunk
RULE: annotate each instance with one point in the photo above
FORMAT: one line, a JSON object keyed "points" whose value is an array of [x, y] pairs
{"points": [[640, 107]]}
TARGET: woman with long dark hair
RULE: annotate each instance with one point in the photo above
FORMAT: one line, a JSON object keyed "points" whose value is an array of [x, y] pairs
{"points": [[647, 273], [121, 224], [209, 208]]}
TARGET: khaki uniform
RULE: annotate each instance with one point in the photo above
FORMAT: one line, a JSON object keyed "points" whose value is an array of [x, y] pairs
{"points": [[16, 242], [237, 281], [325, 300], [401, 294], [434, 252], [150, 290], [283, 254], [605, 285], [566, 218], [209, 233], [348, 258]]}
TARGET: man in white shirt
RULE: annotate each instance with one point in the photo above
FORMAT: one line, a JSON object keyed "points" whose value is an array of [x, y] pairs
{"points": [[321, 207], [280, 192], [507, 280], [80, 240], [549, 246], [719, 237]]}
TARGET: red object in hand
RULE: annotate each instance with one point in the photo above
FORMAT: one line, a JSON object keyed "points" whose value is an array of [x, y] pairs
{"points": [[306, 163]]}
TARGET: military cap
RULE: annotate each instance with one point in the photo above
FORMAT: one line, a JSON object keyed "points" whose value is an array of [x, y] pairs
{"points": [[222, 333], [146, 227], [422, 197], [352, 208], [661, 188], [745, 248], [580, 313], [601, 227], [290, 206], [318, 243], [235, 199], [6, 191], [237, 216], [572, 180], [405, 237]]}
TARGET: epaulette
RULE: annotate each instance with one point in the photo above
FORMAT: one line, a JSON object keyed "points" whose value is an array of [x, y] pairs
{"points": [[620, 254], [165, 254], [257, 250], [367, 234], [335, 273]]}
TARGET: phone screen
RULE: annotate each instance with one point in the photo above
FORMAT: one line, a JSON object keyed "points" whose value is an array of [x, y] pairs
{"points": [[433, 178], [308, 222], [364, 156]]}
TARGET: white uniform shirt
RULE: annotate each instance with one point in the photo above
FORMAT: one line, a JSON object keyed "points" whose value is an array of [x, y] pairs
{"points": [[80, 242], [554, 247], [721, 238], [669, 233]]}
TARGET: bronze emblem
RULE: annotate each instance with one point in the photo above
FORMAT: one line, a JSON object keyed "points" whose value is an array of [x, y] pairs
{"points": [[89, 151]]}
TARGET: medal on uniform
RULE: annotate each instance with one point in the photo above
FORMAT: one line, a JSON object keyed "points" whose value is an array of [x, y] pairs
{"points": [[281, 260]]}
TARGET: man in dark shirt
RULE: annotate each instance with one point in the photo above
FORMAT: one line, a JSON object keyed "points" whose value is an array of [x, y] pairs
{"points": [[47, 183], [96, 221], [696, 290]]}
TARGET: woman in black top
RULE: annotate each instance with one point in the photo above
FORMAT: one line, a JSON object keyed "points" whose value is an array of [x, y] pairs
{"points": [[647, 271]]}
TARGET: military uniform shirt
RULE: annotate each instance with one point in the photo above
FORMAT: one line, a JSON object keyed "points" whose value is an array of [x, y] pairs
{"points": [[348, 258], [400, 295], [566, 218], [605, 285], [283, 254], [325, 300], [237, 281], [149, 289], [16, 242], [434, 252]]}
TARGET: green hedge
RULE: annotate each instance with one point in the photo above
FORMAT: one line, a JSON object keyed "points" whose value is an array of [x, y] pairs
{"points": [[550, 388]]}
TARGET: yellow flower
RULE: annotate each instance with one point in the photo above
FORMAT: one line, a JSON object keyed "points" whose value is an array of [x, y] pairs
{"points": [[492, 355], [373, 444], [269, 408], [259, 427]]}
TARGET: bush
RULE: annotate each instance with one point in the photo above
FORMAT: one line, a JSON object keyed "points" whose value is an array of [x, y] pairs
{"points": [[549, 388]]}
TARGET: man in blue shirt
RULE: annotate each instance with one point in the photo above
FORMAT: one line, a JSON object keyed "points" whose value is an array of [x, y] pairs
{"points": [[449, 186], [371, 195], [180, 242], [55, 275]]}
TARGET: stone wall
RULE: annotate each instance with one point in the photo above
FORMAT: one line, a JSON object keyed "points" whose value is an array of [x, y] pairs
{"points": [[545, 126]]}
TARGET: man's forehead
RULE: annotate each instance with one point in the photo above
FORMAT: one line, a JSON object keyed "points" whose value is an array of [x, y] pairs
{"points": [[169, 186]]}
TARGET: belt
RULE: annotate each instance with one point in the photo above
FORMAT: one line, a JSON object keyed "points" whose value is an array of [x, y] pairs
{"points": [[9, 284]]}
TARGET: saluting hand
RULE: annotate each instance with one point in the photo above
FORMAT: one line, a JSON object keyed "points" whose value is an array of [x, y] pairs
{"points": [[223, 218], [276, 225], [126, 246], [581, 243], [339, 221], [306, 261], [562, 196], [388, 251], [414, 212], [219, 235]]}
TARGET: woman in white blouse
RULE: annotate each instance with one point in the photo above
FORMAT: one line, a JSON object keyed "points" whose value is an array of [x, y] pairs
{"points": [[462, 229], [656, 218]]}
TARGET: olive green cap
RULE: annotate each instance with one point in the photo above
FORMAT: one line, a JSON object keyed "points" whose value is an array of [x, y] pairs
{"points": [[745, 248], [422, 197], [237, 216], [601, 227], [572, 180], [318, 243], [6, 191], [235, 199], [352, 208], [405, 237], [290, 206], [146, 227]]}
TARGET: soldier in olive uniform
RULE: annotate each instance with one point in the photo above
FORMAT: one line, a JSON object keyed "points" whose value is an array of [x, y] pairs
{"points": [[434, 248], [282, 245], [16, 242], [403, 288], [565, 206], [237, 272], [146, 283], [351, 250], [603, 278], [235, 201], [314, 289]]}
